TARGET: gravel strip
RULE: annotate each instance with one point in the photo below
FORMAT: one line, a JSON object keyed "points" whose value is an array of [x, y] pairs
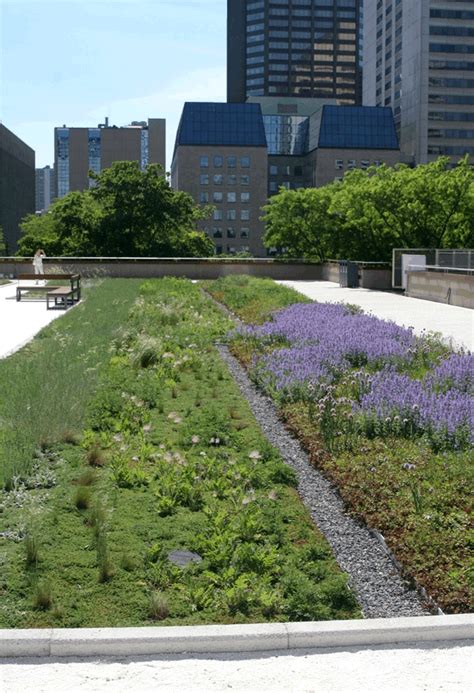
{"points": [[373, 575]]}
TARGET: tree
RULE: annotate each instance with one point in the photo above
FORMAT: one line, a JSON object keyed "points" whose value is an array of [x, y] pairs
{"points": [[371, 212], [3, 247], [299, 222], [128, 212]]}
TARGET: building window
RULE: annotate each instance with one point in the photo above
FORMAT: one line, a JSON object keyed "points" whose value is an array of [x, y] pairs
{"points": [[203, 197], [351, 163], [231, 215], [244, 214], [365, 163], [231, 161], [339, 164], [232, 180], [244, 232], [273, 170], [204, 178], [245, 197], [245, 162], [230, 233], [217, 232], [217, 215], [273, 186], [244, 180], [204, 161], [231, 197], [218, 249], [298, 170], [217, 197], [218, 179], [218, 161]]}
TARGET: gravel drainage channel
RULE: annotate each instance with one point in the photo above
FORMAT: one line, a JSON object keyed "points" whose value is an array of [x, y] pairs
{"points": [[372, 571]]}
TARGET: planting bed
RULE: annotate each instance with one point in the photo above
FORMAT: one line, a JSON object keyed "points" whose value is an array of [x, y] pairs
{"points": [[170, 506], [386, 416]]}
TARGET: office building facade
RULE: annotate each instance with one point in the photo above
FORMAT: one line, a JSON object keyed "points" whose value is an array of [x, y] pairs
{"points": [[80, 150], [17, 185], [220, 159], [419, 59], [304, 48], [235, 156], [45, 188]]}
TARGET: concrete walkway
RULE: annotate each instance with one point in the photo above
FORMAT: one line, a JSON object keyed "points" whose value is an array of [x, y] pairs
{"points": [[21, 321], [430, 667], [456, 325]]}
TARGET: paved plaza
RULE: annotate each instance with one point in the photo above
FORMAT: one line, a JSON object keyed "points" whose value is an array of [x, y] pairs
{"points": [[21, 321], [444, 667], [456, 325]]}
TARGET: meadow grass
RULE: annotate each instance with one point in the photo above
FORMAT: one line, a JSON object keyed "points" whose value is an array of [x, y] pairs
{"points": [[47, 384], [250, 298], [182, 466]]}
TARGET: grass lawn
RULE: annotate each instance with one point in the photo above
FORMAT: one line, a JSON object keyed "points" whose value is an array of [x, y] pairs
{"points": [[169, 459], [407, 479]]}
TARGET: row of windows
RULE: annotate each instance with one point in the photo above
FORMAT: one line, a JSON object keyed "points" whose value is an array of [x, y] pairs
{"points": [[451, 82], [231, 161], [441, 150], [218, 179], [450, 115], [451, 31], [232, 250], [451, 65], [216, 232], [352, 163], [231, 215], [451, 14], [219, 197], [285, 170], [451, 48], [451, 134], [460, 99]]}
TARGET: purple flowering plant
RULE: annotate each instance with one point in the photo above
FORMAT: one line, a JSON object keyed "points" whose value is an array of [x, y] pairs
{"points": [[307, 352]]}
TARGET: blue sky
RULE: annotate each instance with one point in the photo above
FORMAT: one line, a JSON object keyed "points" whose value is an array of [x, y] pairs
{"points": [[75, 62]]}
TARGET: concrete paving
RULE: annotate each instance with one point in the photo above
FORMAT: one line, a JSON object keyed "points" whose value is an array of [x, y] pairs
{"points": [[21, 321], [430, 667], [455, 324]]}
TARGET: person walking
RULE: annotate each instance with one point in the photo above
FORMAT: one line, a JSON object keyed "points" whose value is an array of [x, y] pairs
{"points": [[38, 262]]}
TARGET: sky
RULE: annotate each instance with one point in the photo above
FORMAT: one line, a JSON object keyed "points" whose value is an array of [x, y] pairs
{"points": [[74, 62]]}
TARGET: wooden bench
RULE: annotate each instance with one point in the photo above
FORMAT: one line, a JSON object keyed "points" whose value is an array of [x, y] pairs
{"points": [[61, 296], [74, 281]]}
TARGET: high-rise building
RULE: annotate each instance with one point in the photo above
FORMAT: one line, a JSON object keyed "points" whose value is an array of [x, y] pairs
{"points": [[17, 185], [308, 48], [419, 59], [80, 150], [45, 188]]}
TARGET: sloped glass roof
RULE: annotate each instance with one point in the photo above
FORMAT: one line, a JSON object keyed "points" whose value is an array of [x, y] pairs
{"points": [[357, 127], [225, 124]]}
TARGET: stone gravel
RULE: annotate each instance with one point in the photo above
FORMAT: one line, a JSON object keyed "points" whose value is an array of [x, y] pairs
{"points": [[372, 571]]}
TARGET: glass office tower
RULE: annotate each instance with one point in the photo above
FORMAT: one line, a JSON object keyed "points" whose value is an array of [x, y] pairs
{"points": [[307, 48]]}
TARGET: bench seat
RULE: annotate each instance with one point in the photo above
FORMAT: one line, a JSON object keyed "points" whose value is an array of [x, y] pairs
{"points": [[61, 296]]}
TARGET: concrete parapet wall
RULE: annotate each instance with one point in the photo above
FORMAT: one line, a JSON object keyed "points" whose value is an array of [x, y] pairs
{"points": [[370, 278], [443, 287]]}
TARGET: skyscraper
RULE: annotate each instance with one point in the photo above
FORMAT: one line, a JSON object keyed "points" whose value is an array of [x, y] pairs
{"points": [[80, 150], [419, 59], [45, 188], [307, 48], [17, 185]]}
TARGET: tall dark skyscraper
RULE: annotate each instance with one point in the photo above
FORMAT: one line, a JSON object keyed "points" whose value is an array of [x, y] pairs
{"points": [[307, 48]]}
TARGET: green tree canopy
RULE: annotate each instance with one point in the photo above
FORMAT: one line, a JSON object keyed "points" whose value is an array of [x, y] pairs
{"points": [[370, 212], [128, 212]]}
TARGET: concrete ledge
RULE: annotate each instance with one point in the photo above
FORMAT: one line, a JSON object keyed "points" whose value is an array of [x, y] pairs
{"points": [[91, 642]]}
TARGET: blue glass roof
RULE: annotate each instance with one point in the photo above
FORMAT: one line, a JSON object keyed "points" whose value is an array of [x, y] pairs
{"points": [[357, 127], [226, 124]]}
